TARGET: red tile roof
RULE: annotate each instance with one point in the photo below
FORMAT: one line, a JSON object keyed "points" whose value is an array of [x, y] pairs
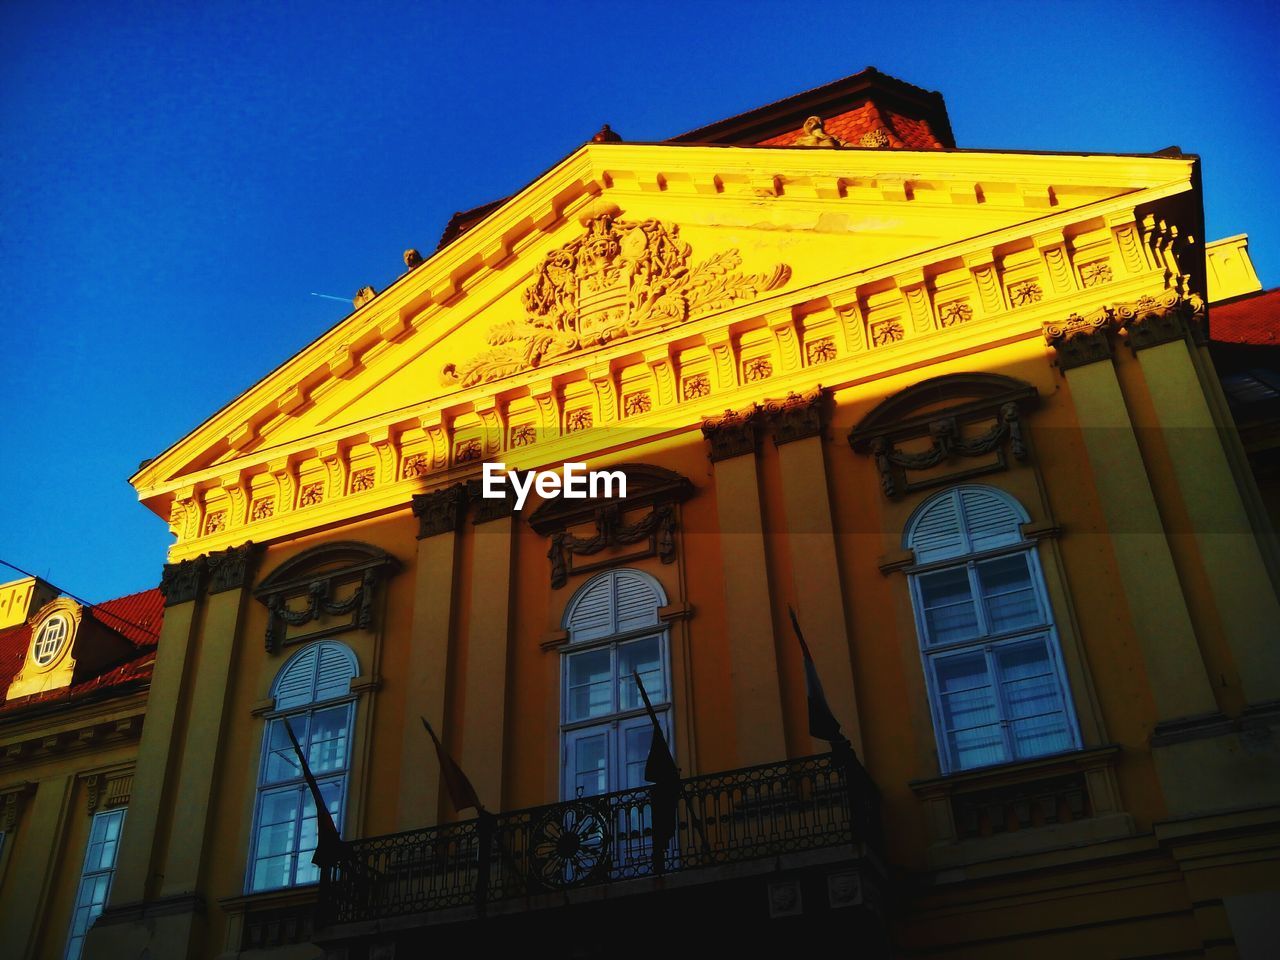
{"points": [[136, 617], [850, 126], [1252, 320]]}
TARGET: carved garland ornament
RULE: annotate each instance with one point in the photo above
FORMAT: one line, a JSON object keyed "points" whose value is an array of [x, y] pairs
{"points": [[619, 279]]}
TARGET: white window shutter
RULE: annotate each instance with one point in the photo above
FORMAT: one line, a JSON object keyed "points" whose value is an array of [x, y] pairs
{"points": [[335, 671], [937, 534], [295, 683], [637, 604], [990, 520], [592, 615]]}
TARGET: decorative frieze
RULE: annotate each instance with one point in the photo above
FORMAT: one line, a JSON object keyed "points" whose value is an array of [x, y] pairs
{"points": [[615, 523], [618, 279], [311, 494], [757, 369], [634, 404], [308, 589], [1024, 293], [575, 420], [523, 434], [1095, 273], [106, 791], [885, 332], [696, 386], [988, 403], [953, 313], [820, 350], [363, 479], [263, 508]]}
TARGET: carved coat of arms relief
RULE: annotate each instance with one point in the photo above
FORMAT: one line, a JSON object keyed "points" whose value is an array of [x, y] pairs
{"points": [[618, 279]]}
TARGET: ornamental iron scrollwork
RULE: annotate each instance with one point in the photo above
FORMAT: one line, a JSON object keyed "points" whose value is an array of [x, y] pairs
{"points": [[618, 279], [974, 399], [571, 844], [305, 589]]}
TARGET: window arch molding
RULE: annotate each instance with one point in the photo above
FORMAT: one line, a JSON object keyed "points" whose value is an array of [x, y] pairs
{"points": [[614, 626], [311, 692], [989, 646]]}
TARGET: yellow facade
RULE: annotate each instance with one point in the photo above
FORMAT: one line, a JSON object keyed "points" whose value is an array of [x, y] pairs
{"points": [[815, 342]]}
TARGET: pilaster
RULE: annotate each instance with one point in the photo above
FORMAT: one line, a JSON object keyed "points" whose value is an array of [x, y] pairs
{"points": [[485, 683], [753, 667], [440, 516], [1233, 564], [797, 431], [1174, 667]]}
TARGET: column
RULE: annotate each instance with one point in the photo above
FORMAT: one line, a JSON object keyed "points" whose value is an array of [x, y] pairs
{"points": [[440, 516], [1175, 670], [797, 425], [753, 666], [1233, 563]]}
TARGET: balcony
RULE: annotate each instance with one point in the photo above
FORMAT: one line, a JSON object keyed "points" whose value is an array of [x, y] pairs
{"points": [[764, 819]]}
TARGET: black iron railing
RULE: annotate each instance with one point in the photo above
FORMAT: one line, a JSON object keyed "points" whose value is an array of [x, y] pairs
{"points": [[748, 814]]}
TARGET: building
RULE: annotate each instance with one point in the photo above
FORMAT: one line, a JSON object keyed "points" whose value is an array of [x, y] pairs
{"points": [[956, 407], [75, 679]]}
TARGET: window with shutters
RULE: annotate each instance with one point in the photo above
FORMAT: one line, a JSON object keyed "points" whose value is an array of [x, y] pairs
{"points": [[991, 657], [614, 633], [312, 693]]}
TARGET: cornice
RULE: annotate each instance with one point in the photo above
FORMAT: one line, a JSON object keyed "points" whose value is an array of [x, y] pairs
{"points": [[420, 296], [932, 327]]}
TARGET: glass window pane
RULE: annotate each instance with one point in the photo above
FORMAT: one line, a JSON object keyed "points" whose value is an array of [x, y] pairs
{"points": [[590, 684], [328, 749], [590, 765], [282, 760], [971, 722], [1033, 700], [643, 656], [948, 606], [1008, 593], [976, 747]]}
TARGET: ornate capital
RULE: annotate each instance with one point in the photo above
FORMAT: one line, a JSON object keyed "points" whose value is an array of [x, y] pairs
{"points": [[180, 582], [440, 511], [796, 417], [732, 434], [11, 803], [1081, 340], [232, 568], [1152, 321], [490, 508]]}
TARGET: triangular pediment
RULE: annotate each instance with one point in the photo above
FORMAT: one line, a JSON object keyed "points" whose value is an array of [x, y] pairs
{"points": [[623, 247]]}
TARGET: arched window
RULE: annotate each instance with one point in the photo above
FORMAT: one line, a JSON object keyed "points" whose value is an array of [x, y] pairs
{"points": [[614, 630], [312, 694], [992, 662]]}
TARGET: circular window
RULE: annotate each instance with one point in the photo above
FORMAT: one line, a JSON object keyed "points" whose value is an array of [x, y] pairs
{"points": [[49, 641]]}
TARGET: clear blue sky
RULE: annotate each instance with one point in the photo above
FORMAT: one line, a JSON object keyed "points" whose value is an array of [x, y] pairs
{"points": [[175, 180]]}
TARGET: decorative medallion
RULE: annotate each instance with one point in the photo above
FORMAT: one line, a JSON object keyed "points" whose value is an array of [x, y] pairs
{"points": [[467, 451], [571, 843], [415, 465], [216, 522], [576, 420], [1024, 292], [523, 434], [758, 369], [698, 385], [822, 350], [312, 494], [885, 332], [362, 479], [957, 311], [264, 508], [619, 279], [1092, 274], [636, 403]]}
